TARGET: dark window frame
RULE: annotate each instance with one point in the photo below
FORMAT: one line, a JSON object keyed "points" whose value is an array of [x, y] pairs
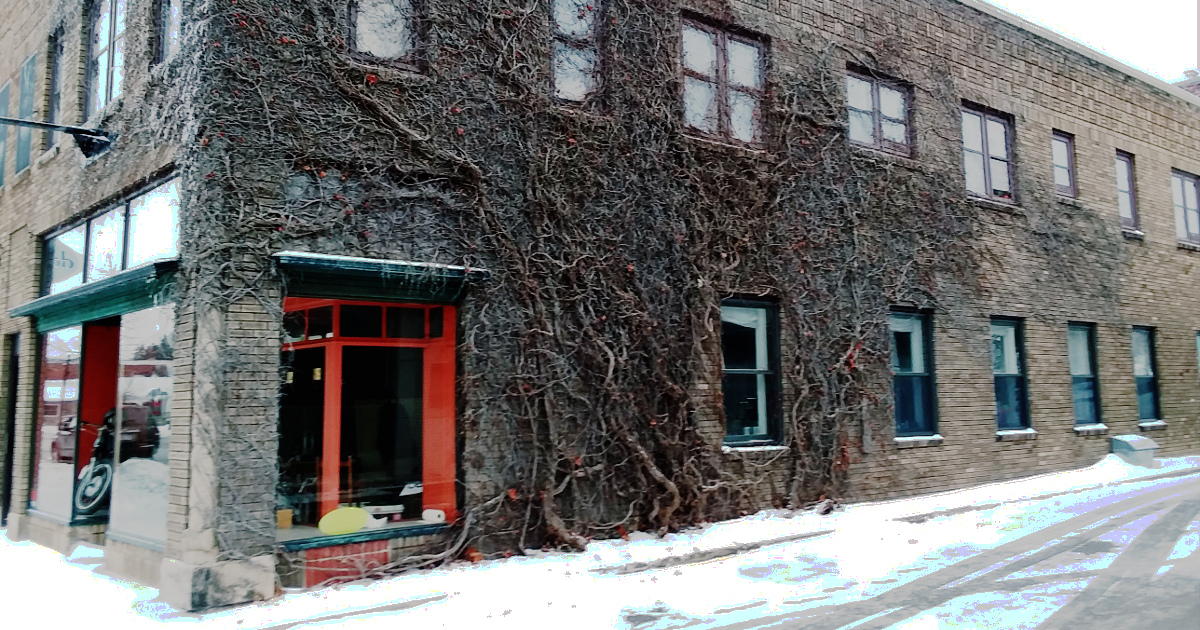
{"points": [[26, 106], [722, 34], [930, 375], [594, 40], [107, 47], [162, 26], [905, 149], [415, 61], [1021, 379], [55, 54], [1072, 189], [1153, 380], [1127, 159], [1093, 365], [1185, 177], [986, 114], [774, 381]]}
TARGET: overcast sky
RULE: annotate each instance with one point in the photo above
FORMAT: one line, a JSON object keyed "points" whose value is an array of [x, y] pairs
{"points": [[1155, 36]]}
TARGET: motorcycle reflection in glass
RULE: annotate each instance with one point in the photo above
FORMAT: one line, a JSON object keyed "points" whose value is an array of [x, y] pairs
{"points": [[94, 487]]}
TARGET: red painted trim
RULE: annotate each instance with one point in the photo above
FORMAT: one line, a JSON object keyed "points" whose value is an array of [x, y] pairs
{"points": [[331, 447], [343, 562], [439, 451]]}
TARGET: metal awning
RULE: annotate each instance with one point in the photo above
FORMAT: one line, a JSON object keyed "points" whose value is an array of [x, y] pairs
{"points": [[131, 290], [351, 277]]}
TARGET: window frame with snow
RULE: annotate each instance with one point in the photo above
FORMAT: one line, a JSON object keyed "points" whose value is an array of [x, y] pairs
{"points": [[765, 371], [987, 118], [879, 86], [575, 42], [718, 121], [411, 57], [914, 394], [1187, 208]]}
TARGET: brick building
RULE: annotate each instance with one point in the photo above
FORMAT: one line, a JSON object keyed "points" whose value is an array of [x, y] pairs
{"points": [[272, 346]]}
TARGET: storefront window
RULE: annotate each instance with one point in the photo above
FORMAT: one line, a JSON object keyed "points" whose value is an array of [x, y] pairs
{"points": [[154, 225], [64, 260], [59, 423], [144, 384], [106, 245]]}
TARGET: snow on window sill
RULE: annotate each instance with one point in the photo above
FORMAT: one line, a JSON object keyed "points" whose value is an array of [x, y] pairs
{"points": [[1152, 425], [1009, 207], [48, 154], [917, 441], [1188, 245], [1098, 428], [1133, 234], [761, 448], [1016, 435]]}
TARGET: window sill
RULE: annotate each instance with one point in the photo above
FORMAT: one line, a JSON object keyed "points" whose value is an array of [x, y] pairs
{"points": [[1016, 435], [870, 152], [299, 538], [1153, 425], [755, 447], [1133, 234], [1069, 200], [47, 155], [919, 441], [1193, 247], [20, 177], [992, 204], [744, 150], [1091, 429]]}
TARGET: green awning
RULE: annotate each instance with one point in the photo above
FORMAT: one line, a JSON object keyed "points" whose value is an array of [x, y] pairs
{"points": [[128, 291], [348, 277]]}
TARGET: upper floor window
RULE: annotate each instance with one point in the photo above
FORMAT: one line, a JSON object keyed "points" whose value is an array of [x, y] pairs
{"points": [[723, 83], [987, 154], [384, 29], [4, 96], [1187, 212], [1008, 374], [750, 351], [168, 16], [1126, 195], [575, 49], [878, 113], [912, 374], [25, 112], [54, 87], [1062, 147], [106, 53], [142, 229], [1145, 373], [1081, 355]]}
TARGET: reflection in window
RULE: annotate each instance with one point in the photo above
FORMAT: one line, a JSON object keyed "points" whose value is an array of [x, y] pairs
{"points": [[575, 51], [138, 512], [54, 469], [106, 53], [723, 83], [749, 346], [106, 244], [1008, 375], [1145, 374], [1085, 392], [63, 268], [385, 29], [154, 225], [912, 378], [878, 114], [169, 16]]}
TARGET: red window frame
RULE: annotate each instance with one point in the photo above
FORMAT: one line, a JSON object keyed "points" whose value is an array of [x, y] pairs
{"points": [[438, 441]]}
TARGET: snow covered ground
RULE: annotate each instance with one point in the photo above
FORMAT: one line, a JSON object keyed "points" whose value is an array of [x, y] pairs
{"points": [[865, 552]]}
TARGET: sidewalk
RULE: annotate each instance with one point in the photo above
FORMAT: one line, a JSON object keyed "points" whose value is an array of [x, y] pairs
{"points": [[742, 567]]}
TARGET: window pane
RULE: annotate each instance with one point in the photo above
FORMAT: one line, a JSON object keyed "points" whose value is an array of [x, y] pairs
{"points": [[99, 83], [144, 385], [1062, 176], [119, 19], [1193, 223], [858, 94], [25, 111], [1125, 205], [361, 321], [58, 425], [173, 23], [1059, 151], [997, 139], [3, 132], [1010, 402], [744, 64], [1079, 350], [320, 323], [745, 404], [1189, 193], [894, 132], [106, 244], [908, 344], [862, 127], [699, 104], [891, 103], [301, 430], [1004, 349], [101, 26], [1123, 176], [437, 321], [405, 323], [972, 132], [384, 28], [744, 338], [293, 326], [154, 225], [973, 165], [699, 51], [1000, 183], [117, 54], [574, 18], [1177, 189], [1180, 219], [913, 398], [574, 72], [1147, 397], [743, 110], [64, 260], [1083, 395], [1143, 364]]}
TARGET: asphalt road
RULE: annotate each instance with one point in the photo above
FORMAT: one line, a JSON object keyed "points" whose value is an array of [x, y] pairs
{"points": [[1116, 566]]}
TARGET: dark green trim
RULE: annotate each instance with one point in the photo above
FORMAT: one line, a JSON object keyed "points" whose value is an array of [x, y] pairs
{"points": [[345, 277], [363, 536], [128, 291]]}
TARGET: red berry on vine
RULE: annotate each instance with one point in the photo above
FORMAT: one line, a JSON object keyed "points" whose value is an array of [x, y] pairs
{"points": [[455, 110], [461, 131], [372, 79], [631, 266], [512, 494], [571, 140]]}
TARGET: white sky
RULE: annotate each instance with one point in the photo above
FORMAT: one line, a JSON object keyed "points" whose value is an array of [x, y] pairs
{"points": [[1155, 36]]}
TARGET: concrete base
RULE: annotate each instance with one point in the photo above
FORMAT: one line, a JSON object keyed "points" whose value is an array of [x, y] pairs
{"points": [[47, 533], [196, 587], [132, 562]]}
